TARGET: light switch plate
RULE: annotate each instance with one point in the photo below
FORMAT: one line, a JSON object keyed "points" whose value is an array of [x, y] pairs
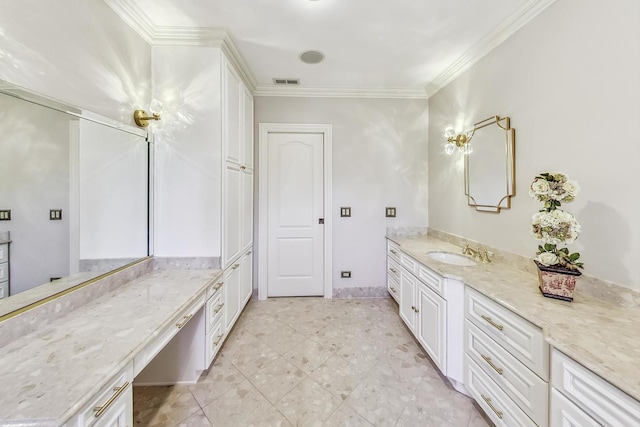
{"points": [[345, 212], [390, 212], [345, 274], [55, 214], [5, 215]]}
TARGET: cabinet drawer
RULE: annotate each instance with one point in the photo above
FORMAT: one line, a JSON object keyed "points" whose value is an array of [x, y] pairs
{"points": [[393, 287], [4, 272], [566, 414], [603, 401], [431, 279], [522, 339], [214, 341], [393, 251], [393, 269], [495, 402], [4, 252], [110, 398], [409, 264], [215, 288], [517, 381], [143, 358], [214, 310], [4, 290]]}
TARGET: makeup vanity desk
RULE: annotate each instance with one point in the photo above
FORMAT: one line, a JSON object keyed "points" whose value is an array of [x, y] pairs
{"points": [[63, 372]]}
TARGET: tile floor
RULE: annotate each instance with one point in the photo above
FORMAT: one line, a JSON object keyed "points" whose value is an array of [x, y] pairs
{"points": [[313, 362]]}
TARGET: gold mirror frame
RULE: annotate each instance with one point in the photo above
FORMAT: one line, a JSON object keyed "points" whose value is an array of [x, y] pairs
{"points": [[503, 123]]}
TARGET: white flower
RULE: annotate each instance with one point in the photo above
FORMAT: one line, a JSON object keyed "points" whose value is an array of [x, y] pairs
{"points": [[572, 188], [547, 258], [555, 227], [540, 186]]}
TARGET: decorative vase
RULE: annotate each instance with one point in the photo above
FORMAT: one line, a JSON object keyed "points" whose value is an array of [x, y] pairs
{"points": [[557, 282]]}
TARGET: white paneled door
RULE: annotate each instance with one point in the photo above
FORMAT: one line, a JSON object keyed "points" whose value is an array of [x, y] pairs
{"points": [[295, 254]]}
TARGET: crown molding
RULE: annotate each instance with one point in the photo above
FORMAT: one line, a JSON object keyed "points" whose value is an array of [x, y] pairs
{"points": [[156, 35], [492, 40], [319, 92]]}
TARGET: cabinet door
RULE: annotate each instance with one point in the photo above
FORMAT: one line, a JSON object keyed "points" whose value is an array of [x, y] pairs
{"points": [[432, 325], [231, 296], [247, 129], [232, 213], [246, 278], [408, 299], [231, 114], [246, 209]]}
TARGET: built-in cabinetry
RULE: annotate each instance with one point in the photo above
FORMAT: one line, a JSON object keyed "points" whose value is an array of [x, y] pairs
{"points": [[431, 307], [507, 363], [4, 270], [581, 398], [237, 135]]}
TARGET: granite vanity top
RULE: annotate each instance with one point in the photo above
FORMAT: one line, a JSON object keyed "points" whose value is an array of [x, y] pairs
{"points": [[601, 336], [48, 375]]}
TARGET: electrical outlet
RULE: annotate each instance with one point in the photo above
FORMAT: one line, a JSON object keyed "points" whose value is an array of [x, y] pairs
{"points": [[345, 274], [55, 214], [5, 215], [390, 212], [345, 212]]}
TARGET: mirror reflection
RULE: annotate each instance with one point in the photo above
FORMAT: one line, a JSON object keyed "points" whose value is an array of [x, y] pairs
{"points": [[74, 193], [490, 165]]}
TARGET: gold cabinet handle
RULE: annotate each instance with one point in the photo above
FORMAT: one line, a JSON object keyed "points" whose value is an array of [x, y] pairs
{"points": [[218, 308], [393, 290], [217, 341], [492, 323], [235, 266], [243, 167], [486, 399], [392, 251], [185, 319], [99, 410], [249, 253], [393, 270], [217, 287], [488, 360]]}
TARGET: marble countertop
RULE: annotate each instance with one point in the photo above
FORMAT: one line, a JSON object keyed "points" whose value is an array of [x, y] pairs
{"points": [[601, 336], [50, 374]]}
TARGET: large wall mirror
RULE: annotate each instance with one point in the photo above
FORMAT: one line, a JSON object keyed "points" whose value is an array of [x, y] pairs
{"points": [[74, 196], [490, 165]]}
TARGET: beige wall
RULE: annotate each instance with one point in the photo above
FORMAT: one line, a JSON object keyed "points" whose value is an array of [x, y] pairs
{"points": [[379, 160], [570, 81]]}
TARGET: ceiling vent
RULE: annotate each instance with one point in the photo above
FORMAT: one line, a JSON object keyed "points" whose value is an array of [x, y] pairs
{"points": [[288, 82], [312, 57]]}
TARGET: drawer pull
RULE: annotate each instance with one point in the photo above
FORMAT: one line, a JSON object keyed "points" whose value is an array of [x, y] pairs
{"points": [[393, 290], [218, 308], [392, 251], [99, 410], [217, 341], [393, 270], [185, 319], [488, 360], [235, 266], [416, 310], [249, 253], [413, 307], [492, 323], [217, 287], [486, 399]]}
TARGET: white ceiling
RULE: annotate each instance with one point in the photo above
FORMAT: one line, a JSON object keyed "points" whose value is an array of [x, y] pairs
{"points": [[387, 46]]}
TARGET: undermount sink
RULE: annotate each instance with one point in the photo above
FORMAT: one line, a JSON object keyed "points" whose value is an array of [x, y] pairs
{"points": [[451, 258]]}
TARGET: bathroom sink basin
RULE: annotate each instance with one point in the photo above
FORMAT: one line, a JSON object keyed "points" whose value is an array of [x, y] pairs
{"points": [[451, 258]]}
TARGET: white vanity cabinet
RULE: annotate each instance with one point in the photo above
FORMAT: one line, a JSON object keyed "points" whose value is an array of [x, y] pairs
{"points": [[581, 398], [432, 308], [4, 270], [506, 364]]}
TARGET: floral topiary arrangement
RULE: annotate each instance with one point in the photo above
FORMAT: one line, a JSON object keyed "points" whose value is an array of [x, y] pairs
{"points": [[557, 267]]}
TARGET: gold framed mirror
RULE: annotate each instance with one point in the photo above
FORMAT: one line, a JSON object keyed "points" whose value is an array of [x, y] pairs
{"points": [[489, 165]]}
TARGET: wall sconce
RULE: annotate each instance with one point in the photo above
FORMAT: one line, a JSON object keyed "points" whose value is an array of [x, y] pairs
{"points": [[142, 119], [461, 141]]}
